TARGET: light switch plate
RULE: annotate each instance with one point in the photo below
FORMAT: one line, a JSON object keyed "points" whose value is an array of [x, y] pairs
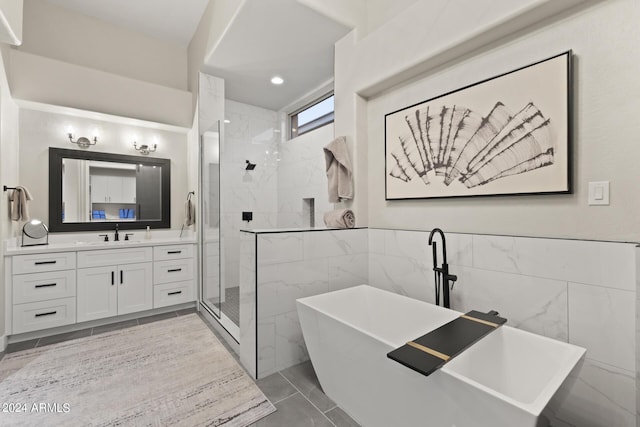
{"points": [[599, 193]]}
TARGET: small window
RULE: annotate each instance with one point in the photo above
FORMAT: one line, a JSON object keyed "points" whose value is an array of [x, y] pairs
{"points": [[318, 114]]}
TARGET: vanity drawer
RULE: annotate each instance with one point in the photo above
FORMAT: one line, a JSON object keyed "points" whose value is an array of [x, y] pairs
{"points": [[44, 286], [161, 253], [105, 257], [172, 293], [44, 262], [43, 314], [172, 271]]}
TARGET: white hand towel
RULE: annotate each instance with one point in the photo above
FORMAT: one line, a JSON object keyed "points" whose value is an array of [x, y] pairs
{"points": [[339, 172], [19, 208], [340, 218]]}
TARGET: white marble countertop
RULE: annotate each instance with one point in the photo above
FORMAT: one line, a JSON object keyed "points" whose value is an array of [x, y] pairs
{"points": [[64, 242]]}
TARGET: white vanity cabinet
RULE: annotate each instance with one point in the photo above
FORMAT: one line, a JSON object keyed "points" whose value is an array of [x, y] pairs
{"points": [[43, 291], [173, 275], [62, 287], [108, 289]]}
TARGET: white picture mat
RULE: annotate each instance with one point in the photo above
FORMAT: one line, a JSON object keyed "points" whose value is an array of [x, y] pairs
{"points": [[545, 84]]}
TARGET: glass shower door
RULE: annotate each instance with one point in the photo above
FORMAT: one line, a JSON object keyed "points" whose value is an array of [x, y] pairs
{"points": [[209, 165]]}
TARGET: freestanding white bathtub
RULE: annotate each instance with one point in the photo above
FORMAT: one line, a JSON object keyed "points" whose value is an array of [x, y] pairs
{"points": [[505, 379]]}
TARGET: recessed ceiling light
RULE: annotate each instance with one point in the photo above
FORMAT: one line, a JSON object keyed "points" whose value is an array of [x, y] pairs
{"points": [[277, 80]]}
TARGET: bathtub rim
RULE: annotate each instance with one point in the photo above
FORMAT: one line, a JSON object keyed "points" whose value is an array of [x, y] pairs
{"points": [[391, 345]]}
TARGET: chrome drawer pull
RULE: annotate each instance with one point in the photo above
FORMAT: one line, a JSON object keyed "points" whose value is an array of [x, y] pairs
{"points": [[46, 314], [46, 285], [173, 270], [174, 293], [45, 262], [174, 252]]}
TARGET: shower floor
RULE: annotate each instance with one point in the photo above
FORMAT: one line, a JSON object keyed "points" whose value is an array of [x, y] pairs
{"points": [[231, 305]]}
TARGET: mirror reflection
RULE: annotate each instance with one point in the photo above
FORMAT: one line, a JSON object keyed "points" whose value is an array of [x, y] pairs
{"points": [[91, 191], [103, 191]]}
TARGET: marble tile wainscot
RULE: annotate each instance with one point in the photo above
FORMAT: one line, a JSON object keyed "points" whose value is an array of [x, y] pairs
{"points": [[280, 266], [582, 292]]}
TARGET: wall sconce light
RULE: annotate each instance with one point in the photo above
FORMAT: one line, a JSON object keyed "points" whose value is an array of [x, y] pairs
{"points": [[144, 148], [82, 141]]}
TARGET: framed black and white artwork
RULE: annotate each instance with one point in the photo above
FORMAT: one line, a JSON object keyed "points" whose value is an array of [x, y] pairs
{"points": [[509, 134]]}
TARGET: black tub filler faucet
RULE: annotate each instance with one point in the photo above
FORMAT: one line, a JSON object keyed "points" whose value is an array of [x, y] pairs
{"points": [[441, 274]]}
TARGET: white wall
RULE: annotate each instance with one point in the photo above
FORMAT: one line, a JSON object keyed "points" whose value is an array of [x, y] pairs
{"points": [[72, 60], [39, 79], [11, 31], [381, 11], [603, 147], [40, 130], [302, 175], [8, 166], [417, 40], [58, 33], [215, 20], [350, 13]]}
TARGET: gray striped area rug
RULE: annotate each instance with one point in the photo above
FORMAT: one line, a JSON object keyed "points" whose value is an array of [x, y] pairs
{"points": [[170, 372]]}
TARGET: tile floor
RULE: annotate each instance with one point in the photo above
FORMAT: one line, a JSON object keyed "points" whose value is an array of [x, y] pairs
{"points": [[300, 401], [295, 391]]}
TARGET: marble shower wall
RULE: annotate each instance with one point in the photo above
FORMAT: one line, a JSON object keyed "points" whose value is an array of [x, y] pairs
{"points": [[248, 302], [582, 292], [252, 133], [301, 175], [292, 265]]}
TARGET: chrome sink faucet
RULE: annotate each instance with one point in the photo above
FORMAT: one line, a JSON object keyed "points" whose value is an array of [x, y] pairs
{"points": [[116, 237], [441, 274]]}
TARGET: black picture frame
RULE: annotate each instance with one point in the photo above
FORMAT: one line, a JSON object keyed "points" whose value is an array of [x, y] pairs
{"points": [[56, 224], [472, 142]]}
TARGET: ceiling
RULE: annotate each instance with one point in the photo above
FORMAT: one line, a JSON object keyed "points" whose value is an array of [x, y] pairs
{"points": [[267, 38], [173, 21], [275, 37]]}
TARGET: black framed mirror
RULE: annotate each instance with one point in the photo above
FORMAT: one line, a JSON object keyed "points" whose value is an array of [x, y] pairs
{"points": [[93, 191]]}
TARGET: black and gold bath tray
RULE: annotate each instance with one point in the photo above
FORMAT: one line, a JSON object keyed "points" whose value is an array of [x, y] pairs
{"points": [[431, 351]]}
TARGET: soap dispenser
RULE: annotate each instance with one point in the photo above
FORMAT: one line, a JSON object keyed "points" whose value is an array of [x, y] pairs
{"points": [[148, 233]]}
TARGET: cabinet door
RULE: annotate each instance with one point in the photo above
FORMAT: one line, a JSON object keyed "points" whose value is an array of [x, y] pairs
{"points": [[97, 293], [135, 287], [128, 194], [99, 189], [115, 189]]}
